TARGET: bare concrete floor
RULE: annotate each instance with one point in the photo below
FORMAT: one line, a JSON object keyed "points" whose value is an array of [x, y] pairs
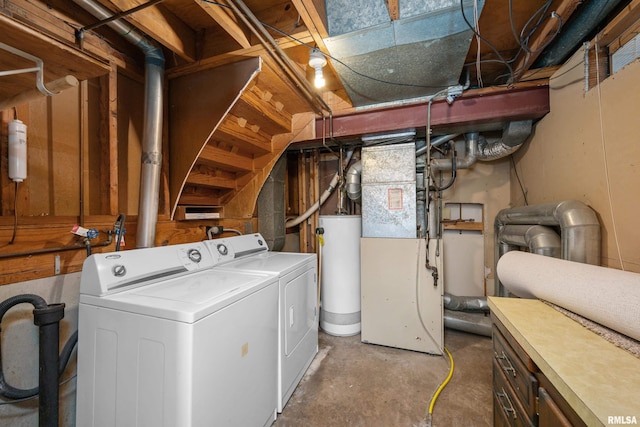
{"points": [[354, 384]]}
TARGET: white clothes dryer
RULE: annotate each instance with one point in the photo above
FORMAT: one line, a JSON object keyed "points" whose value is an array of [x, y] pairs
{"points": [[298, 301], [166, 340]]}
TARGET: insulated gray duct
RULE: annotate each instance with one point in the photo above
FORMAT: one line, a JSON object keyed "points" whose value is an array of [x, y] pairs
{"points": [[152, 130], [591, 14], [579, 230], [514, 134]]}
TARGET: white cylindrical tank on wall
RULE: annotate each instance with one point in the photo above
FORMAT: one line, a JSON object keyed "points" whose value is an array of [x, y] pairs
{"points": [[17, 152], [340, 278]]}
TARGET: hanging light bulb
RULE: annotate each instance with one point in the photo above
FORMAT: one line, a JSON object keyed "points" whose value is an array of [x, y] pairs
{"points": [[317, 61]]}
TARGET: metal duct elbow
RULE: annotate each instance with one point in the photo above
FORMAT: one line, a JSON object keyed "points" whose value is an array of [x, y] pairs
{"points": [[579, 226], [538, 239], [470, 155], [514, 134], [353, 185], [580, 235], [580, 232]]}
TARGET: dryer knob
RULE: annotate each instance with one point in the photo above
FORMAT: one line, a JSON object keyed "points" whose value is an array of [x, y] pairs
{"points": [[119, 270]]}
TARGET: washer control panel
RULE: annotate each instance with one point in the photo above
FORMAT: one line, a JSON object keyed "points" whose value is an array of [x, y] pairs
{"points": [[108, 273]]}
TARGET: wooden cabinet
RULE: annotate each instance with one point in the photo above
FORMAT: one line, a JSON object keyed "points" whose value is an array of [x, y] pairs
{"points": [[522, 395]]}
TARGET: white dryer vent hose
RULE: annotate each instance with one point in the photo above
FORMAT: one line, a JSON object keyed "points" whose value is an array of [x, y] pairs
{"points": [[605, 295]]}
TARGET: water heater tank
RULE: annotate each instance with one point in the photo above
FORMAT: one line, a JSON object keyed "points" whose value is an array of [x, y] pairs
{"points": [[340, 275]]}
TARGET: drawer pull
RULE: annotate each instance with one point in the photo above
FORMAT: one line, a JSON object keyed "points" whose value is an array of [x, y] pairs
{"points": [[507, 367], [508, 408]]}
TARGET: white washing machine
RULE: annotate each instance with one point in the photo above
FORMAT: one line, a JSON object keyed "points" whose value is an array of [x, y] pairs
{"points": [[166, 340], [298, 301]]}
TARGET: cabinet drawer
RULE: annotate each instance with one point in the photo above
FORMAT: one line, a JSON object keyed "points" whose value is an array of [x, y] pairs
{"points": [[523, 382], [515, 346], [507, 408]]}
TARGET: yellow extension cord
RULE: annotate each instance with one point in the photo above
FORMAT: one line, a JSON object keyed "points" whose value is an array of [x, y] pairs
{"points": [[441, 387]]}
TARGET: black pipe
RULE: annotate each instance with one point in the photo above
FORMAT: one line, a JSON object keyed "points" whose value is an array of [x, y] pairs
{"points": [[7, 390], [592, 13], [47, 317]]}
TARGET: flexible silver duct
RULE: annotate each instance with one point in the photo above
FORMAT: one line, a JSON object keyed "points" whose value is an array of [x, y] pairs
{"points": [[152, 130], [514, 134], [465, 303], [579, 230], [477, 147]]}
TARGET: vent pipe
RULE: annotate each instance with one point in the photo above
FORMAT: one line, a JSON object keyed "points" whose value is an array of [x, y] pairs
{"points": [[477, 147], [152, 130], [579, 230]]}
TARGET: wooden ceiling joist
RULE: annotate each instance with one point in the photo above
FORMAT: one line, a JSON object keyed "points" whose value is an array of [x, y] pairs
{"points": [[163, 26], [226, 19]]}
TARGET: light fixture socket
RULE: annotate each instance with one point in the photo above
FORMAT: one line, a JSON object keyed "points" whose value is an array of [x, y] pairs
{"points": [[317, 60]]}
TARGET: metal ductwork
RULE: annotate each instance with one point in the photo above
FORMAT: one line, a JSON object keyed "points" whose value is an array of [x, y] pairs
{"points": [[579, 229], [352, 182], [470, 151], [514, 134], [538, 239], [152, 128], [389, 54], [477, 147], [465, 303], [473, 323]]}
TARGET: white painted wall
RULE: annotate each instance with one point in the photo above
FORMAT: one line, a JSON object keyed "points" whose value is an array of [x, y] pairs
{"points": [[587, 149]]}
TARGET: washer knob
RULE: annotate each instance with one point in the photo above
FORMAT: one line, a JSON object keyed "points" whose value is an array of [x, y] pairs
{"points": [[222, 249], [119, 270], [194, 255]]}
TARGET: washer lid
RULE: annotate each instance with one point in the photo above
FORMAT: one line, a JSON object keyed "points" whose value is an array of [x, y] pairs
{"points": [[276, 262], [188, 298]]}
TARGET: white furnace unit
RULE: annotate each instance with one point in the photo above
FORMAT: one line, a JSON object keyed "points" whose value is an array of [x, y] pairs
{"points": [[297, 302], [401, 296], [167, 340]]}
